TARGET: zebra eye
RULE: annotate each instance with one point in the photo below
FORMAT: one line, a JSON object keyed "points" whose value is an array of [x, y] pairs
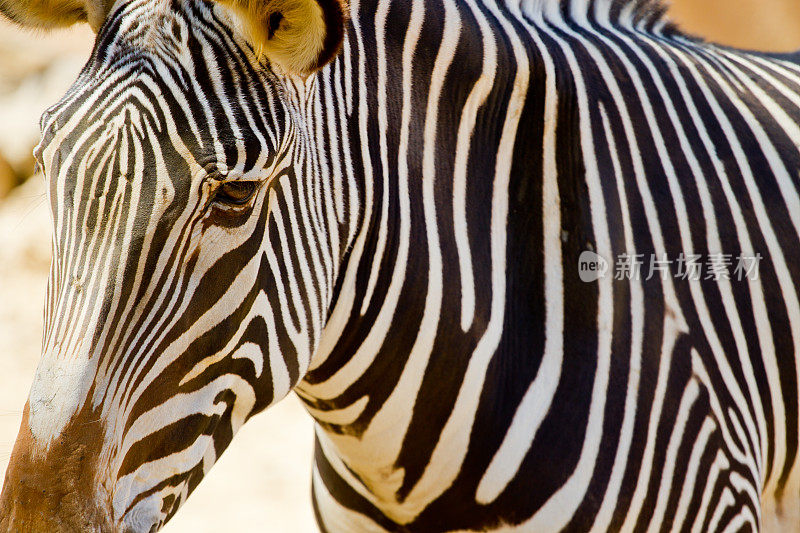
{"points": [[235, 193]]}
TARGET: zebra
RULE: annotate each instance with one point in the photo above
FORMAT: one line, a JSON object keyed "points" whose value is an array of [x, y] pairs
{"points": [[386, 208]]}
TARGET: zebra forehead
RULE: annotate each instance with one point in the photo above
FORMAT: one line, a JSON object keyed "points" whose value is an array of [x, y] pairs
{"points": [[129, 137], [185, 34]]}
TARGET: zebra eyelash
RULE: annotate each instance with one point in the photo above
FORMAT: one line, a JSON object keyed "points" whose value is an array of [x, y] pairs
{"points": [[235, 194]]}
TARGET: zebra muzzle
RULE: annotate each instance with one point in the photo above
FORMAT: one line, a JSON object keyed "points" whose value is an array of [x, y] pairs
{"points": [[54, 489]]}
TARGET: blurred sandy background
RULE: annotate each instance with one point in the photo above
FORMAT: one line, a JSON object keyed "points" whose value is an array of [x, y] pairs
{"points": [[262, 483]]}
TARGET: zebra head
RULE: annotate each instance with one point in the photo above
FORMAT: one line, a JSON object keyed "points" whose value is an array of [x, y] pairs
{"points": [[192, 255]]}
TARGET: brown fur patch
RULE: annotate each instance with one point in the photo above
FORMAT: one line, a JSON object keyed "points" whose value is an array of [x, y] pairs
{"points": [[55, 490]]}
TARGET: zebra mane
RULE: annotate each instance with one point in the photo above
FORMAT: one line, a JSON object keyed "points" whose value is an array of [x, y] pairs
{"points": [[651, 9], [649, 12], [642, 13]]}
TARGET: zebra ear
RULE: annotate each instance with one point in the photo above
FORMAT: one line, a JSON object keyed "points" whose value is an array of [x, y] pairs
{"points": [[55, 13], [300, 35]]}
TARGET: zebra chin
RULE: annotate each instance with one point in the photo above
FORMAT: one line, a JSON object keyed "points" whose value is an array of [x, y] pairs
{"points": [[60, 490], [67, 485], [80, 479]]}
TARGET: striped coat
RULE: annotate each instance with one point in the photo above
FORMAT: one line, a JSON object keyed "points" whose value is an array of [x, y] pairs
{"points": [[400, 237]]}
